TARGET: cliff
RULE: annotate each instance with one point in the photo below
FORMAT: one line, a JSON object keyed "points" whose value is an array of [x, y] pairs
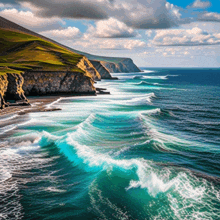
{"points": [[3, 89], [112, 64], [105, 74], [15, 90], [126, 65], [15, 87], [48, 83], [88, 67]]}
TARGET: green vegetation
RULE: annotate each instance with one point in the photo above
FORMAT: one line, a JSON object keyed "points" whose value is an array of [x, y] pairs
{"points": [[20, 52]]}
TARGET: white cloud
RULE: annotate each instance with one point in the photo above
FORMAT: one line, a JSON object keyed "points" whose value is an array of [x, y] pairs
{"points": [[68, 33], [112, 44], [200, 4], [142, 14], [185, 37], [29, 19], [111, 28], [210, 16], [174, 12], [149, 33]]}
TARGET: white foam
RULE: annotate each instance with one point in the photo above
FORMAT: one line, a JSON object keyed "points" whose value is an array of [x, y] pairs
{"points": [[151, 112], [8, 118], [54, 189], [134, 99], [55, 102], [147, 178], [149, 71], [8, 128]]}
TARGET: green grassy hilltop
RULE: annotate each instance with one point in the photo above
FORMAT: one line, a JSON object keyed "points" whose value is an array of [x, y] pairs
{"points": [[20, 51]]}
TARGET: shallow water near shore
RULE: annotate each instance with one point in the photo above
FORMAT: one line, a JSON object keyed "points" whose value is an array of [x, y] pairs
{"points": [[150, 150]]}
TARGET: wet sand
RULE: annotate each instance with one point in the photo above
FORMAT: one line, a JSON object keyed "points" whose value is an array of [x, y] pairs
{"points": [[37, 104]]}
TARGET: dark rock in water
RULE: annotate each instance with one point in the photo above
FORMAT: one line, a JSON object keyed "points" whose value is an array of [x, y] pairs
{"points": [[19, 104], [52, 109], [102, 91]]}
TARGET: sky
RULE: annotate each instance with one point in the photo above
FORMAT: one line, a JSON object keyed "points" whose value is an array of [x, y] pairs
{"points": [[154, 33]]}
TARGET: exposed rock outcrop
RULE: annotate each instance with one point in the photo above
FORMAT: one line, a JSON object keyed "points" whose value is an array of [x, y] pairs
{"points": [[87, 66], [14, 89], [3, 89], [48, 83], [126, 65], [105, 74]]}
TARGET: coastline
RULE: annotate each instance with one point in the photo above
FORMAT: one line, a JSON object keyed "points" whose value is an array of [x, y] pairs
{"points": [[37, 104], [43, 103], [12, 116]]}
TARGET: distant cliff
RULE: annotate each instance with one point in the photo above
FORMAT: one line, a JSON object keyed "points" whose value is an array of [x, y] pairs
{"points": [[126, 65], [112, 64], [103, 71]]}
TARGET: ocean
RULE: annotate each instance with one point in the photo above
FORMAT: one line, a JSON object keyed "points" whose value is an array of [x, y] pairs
{"points": [[150, 150]]}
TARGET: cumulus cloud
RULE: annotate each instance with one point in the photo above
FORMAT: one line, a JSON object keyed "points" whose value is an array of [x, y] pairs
{"points": [[149, 33], [112, 44], [210, 16], [111, 28], [182, 37], [144, 14], [29, 20], [68, 33], [200, 4]]}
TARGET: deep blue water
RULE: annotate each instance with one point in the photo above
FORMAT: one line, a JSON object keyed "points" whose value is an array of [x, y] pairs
{"points": [[150, 150]]}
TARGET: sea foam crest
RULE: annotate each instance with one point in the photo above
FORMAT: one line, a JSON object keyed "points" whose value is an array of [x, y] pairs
{"points": [[147, 177], [136, 100]]}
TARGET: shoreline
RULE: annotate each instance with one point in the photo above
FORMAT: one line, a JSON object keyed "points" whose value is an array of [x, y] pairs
{"points": [[37, 104], [42, 104], [12, 116]]}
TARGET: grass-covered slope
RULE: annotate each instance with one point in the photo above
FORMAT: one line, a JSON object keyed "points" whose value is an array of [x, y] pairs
{"points": [[20, 51]]}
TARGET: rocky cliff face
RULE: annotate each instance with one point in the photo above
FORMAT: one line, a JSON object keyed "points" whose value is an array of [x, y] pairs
{"points": [[47, 83], [3, 89], [16, 86], [126, 66], [14, 90], [88, 67], [105, 74]]}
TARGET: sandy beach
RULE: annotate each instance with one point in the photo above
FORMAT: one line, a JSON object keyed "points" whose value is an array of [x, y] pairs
{"points": [[37, 104]]}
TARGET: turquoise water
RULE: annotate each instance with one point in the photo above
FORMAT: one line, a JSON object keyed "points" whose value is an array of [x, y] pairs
{"points": [[150, 150]]}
